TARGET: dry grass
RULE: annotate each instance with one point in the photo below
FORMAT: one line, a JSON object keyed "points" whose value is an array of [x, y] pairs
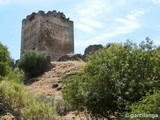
{"points": [[43, 87]]}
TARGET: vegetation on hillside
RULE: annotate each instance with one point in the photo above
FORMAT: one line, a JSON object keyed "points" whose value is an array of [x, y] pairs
{"points": [[34, 63], [14, 98], [114, 79], [4, 60], [149, 104], [117, 80], [17, 101]]}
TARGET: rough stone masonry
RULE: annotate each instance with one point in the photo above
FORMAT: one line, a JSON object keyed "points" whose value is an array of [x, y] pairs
{"points": [[51, 32]]}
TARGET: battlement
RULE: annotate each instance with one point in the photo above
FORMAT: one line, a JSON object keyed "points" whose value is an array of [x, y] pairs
{"points": [[53, 13]]}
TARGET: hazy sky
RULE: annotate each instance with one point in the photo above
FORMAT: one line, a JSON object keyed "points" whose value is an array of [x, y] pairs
{"points": [[95, 21]]}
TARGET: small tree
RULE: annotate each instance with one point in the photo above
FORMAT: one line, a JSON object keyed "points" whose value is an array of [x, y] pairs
{"points": [[4, 60], [34, 63], [114, 78]]}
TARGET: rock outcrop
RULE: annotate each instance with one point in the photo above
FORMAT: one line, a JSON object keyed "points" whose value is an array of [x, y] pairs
{"points": [[92, 49], [71, 57]]}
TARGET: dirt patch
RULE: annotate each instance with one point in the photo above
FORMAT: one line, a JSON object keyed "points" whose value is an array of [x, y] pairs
{"points": [[50, 84], [44, 85]]}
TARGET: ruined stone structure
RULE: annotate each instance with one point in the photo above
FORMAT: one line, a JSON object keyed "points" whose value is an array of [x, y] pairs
{"points": [[51, 32], [91, 49]]}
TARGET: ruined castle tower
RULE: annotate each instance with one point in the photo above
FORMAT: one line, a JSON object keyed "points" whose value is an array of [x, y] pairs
{"points": [[51, 32]]}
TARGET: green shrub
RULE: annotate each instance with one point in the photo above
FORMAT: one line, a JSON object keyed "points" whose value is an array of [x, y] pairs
{"points": [[114, 78], [73, 91], [34, 63], [21, 105], [15, 75], [4, 60], [149, 104]]}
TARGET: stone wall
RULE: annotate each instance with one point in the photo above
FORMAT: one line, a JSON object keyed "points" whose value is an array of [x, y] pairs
{"points": [[51, 32]]}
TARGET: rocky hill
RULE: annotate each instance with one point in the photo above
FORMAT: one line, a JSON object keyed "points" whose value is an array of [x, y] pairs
{"points": [[49, 85]]}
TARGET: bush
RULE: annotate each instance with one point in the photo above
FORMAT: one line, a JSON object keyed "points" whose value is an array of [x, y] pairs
{"points": [[16, 75], [114, 78], [73, 91], [149, 104], [4, 60], [34, 63], [21, 105]]}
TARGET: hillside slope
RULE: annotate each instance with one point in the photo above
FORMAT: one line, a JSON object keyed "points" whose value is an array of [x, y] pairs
{"points": [[49, 84]]}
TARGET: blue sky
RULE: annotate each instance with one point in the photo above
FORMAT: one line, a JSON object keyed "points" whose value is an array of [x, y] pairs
{"points": [[95, 21]]}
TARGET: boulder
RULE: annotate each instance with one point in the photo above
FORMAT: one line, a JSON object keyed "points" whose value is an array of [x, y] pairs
{"points": [[91, 49]]}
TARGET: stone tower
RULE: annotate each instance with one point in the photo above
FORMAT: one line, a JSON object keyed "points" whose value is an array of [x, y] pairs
{"points": [[51, 32]]}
